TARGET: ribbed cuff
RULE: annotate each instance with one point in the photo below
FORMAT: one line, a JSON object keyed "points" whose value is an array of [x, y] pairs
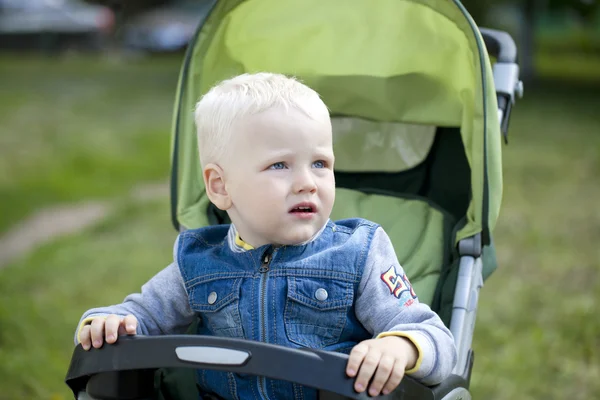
{"points": [[86, 321]]}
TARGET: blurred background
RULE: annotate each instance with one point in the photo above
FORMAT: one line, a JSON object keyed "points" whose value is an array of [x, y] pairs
{"points": [[86, 96]]}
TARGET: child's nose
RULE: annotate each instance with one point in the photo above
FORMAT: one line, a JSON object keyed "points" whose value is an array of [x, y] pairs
{"points": [[304, 182]]}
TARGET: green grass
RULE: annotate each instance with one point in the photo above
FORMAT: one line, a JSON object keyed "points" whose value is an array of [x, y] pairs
{"points": [[42, 297], [538, 332], [578, 66], [85, 127]]}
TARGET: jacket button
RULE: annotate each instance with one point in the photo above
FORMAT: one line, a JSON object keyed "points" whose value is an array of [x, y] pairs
{"points": [[321, 294], [212, 298]]}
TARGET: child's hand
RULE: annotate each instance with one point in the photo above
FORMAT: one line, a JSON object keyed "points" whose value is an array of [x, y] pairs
{"points": [[386, 359], [109, 327]]}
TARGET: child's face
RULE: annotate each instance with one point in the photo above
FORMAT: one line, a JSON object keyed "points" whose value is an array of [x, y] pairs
{"points": [[280, 177]]}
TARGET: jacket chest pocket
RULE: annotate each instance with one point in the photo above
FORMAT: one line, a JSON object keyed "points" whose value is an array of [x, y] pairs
{"points": [[218, 303], [316, 310]]}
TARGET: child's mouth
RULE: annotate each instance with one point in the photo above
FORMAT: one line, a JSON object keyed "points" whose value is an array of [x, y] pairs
{"points": [[303, 209]]}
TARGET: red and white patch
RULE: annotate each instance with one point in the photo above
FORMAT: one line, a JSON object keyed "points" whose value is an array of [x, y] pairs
{"points": [[399, 286]]}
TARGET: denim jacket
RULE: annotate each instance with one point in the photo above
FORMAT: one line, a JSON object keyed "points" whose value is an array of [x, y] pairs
{"points": [[340, 288]]}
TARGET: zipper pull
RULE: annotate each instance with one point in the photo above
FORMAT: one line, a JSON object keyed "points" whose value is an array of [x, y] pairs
{"points": [[265, 264]]}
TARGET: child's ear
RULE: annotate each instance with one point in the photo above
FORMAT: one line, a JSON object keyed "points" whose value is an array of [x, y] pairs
{"points": [[214, 180]]}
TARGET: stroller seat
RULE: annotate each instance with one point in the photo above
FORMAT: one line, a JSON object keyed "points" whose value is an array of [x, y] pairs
{"points": [[403, 176], [382, 172]]}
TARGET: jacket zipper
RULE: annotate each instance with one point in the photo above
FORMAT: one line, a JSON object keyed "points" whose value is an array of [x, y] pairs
{"points": [[264, 269]]}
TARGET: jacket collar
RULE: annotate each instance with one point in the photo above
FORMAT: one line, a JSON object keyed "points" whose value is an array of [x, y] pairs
{"points": [[237, 244]]}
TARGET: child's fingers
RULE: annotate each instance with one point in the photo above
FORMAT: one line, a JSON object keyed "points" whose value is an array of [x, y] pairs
{"points": [[85, 337], [395, 378], [356, 357], [128, 326], [382, 374], [130, 322], [97, 332], [367, 369], [111, 328]]}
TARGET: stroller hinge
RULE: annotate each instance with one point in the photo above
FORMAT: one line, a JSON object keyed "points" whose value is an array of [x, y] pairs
{"points": [[470, 246]]}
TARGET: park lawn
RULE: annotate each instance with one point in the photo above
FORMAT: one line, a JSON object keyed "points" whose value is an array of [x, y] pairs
{"points": [[81, 127], [43, 296], [538, 331], [579, 67]]}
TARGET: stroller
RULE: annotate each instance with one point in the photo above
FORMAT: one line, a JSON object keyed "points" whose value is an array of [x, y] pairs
{"points": [[418, 115]]}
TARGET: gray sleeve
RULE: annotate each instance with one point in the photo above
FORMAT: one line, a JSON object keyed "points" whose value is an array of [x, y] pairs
{"points": [[387, 305], [162, 306]]}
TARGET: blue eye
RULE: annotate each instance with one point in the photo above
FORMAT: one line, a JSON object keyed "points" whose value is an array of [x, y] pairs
{"points": [[319, 164], [277, 165]]}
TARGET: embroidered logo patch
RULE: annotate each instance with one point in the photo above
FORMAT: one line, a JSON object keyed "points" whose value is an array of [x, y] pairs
{"points": [[399, 286]]}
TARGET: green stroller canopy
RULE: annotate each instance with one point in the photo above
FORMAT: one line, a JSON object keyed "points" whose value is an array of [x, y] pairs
{"points": [[401, 67]]}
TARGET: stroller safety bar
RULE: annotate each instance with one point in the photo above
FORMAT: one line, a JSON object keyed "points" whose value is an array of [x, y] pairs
{"points": [[464, 311], [500, 45], [464, 307], [506, 73], [125, 370]]}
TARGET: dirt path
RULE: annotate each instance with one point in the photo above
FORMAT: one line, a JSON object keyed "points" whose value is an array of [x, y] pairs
{"points": [[54, 222]]}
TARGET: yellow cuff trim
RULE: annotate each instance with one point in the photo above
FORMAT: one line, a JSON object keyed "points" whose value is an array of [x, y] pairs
{"points": [[85, 322], [413, 341], [241, 243]]}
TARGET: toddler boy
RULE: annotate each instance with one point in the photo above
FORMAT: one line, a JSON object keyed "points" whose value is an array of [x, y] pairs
{"points": [[282, 272]]}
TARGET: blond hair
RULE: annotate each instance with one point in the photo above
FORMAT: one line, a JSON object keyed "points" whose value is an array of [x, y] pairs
{"points": [[247, 94]]}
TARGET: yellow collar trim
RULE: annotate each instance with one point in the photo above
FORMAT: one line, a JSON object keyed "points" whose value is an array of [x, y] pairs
{"points": [[241, 243]]}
